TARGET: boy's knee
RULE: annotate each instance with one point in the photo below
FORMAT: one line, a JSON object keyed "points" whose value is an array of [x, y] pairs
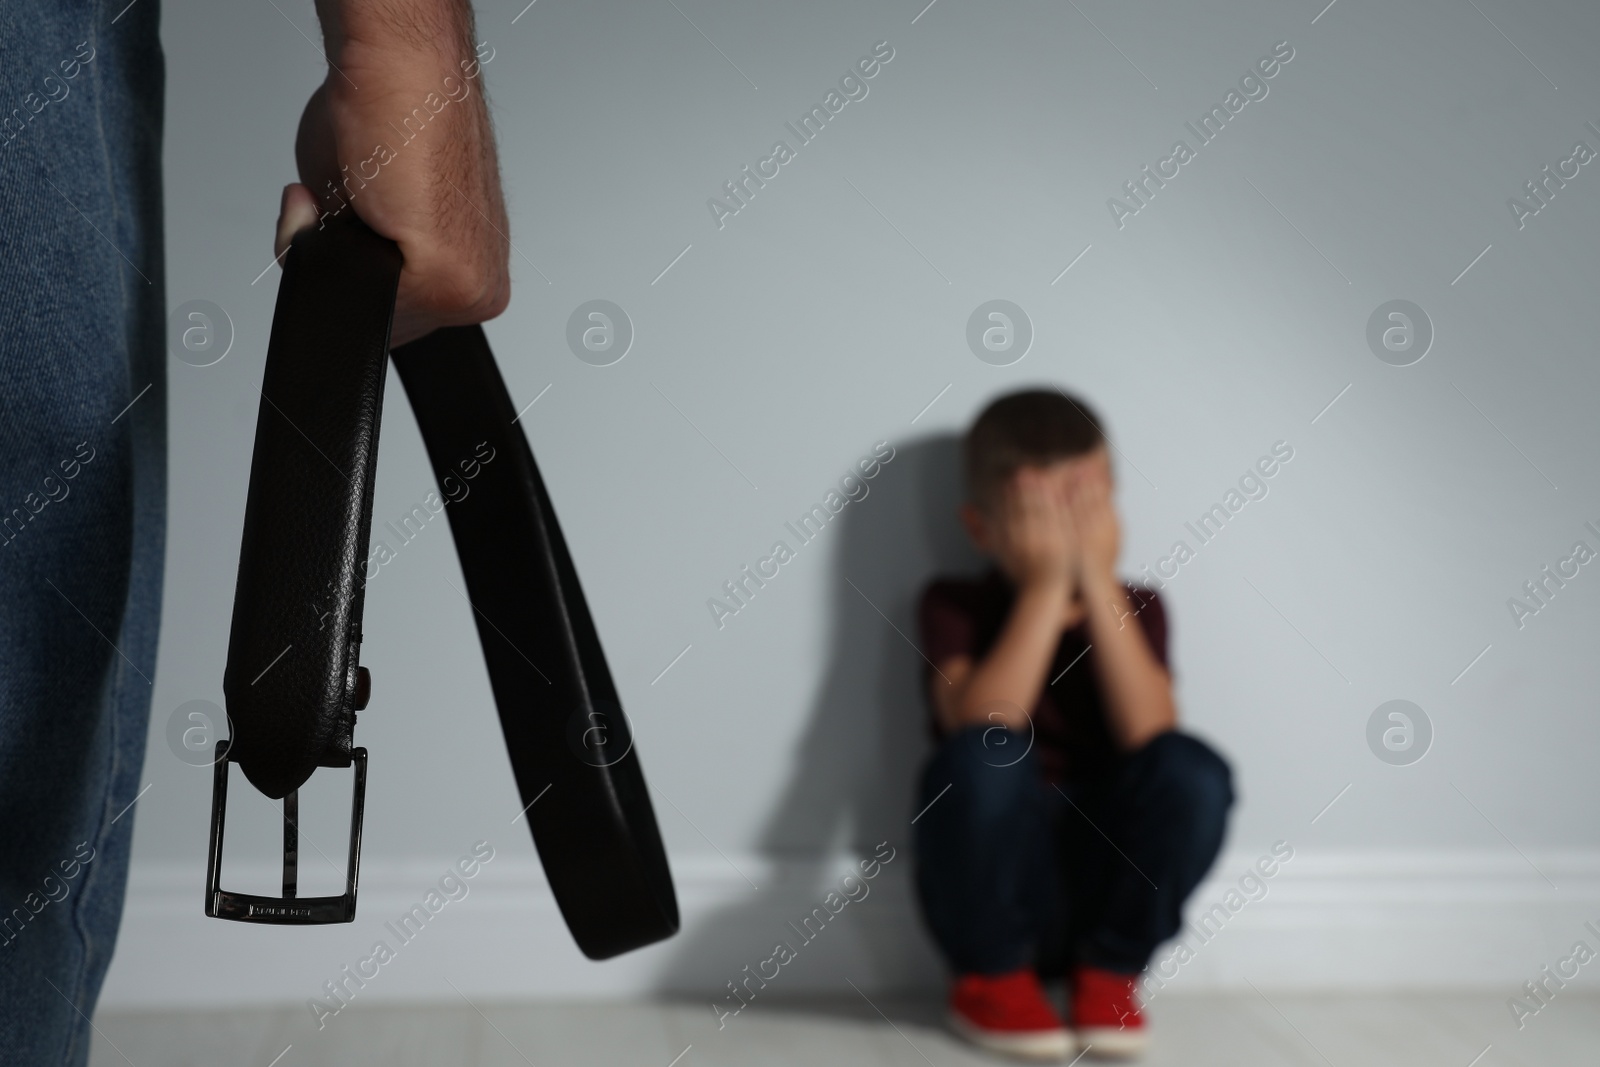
{"points": [[1191, 773], [990, 770]]}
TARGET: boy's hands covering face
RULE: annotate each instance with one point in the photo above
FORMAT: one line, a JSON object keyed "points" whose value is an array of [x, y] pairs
{"points": [[1098, 534], [1036, 541]]}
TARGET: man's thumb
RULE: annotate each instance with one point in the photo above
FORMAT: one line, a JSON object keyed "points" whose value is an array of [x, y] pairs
{"points": [[297, 211]]}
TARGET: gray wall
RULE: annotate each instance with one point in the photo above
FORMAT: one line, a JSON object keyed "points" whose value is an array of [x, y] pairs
{"points": [[824, 317]]}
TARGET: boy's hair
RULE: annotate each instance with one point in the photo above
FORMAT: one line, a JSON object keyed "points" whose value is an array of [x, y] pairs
{"points": [[1029, 428]]}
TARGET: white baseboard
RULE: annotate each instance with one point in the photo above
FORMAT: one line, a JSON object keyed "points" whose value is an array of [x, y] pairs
{"points": [[1351, 920]]}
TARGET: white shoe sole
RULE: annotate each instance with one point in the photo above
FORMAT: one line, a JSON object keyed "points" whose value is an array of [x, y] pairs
{"points": [[1112, 1043], [1045, 1046]]}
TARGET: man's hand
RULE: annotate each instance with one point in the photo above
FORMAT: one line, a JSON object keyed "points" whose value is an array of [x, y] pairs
{"points": [[399, 134]]}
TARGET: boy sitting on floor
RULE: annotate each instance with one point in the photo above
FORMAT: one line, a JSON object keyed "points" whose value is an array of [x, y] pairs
{"points": [[1064, 819]]}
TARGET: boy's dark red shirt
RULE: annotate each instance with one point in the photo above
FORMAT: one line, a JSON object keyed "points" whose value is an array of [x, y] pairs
{"points": [[964, 616]]}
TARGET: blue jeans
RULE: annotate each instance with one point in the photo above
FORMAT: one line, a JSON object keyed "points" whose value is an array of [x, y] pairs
{"points": [[1013, 872], [82, 494]]}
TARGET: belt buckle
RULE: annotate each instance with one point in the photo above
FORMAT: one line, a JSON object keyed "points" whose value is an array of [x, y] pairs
{"points": [[289, 909]]}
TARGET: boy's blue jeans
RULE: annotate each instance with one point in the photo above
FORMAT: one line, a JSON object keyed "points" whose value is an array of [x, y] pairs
{"points": [[1013, 872], [82, 494]]}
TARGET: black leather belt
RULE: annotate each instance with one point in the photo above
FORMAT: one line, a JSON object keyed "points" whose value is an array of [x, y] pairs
{"points": [[293, 682]]}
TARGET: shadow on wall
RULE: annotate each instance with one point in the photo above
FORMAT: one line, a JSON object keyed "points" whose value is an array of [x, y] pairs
{"points": [[853, 779]]}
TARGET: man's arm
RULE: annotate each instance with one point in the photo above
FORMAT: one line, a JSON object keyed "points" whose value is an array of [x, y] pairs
{"points": [[399, 134], [1137, 688], [1037, 549]]}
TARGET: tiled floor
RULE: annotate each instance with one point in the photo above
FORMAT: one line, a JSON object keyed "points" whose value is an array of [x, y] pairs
{"points": [[1252, 1030]]}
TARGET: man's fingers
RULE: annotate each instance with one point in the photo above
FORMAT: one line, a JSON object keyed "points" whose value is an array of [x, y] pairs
{"points": [[297, 211]]}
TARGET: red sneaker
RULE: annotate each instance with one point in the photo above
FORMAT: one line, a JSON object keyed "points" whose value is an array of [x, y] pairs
{"points": [[1008, 1013], [1106, 1013]]}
